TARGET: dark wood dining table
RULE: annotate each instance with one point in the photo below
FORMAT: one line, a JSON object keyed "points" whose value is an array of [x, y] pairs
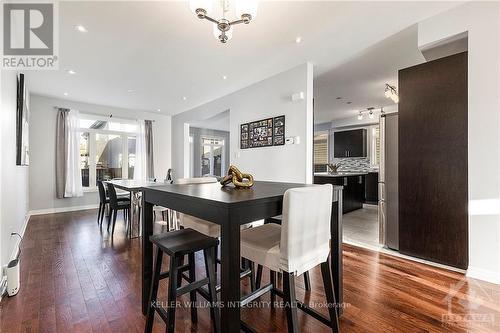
{"points": [[230, 208]]}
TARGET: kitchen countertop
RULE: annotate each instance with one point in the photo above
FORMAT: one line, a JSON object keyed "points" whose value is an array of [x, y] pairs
{"points": [[342, 174]]}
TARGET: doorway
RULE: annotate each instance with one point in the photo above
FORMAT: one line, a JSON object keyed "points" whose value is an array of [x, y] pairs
{"points": [[212, 157], [209, 144]]}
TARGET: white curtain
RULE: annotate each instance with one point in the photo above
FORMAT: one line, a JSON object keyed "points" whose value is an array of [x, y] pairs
{"points": [[73, 186], [140, 152]]}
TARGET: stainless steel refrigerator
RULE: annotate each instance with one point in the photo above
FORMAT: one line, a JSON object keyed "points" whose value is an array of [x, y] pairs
{"points": [[388, 182]]}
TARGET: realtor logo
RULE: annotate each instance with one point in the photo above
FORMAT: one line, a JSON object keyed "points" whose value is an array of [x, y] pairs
{"points": [[29, 36]]}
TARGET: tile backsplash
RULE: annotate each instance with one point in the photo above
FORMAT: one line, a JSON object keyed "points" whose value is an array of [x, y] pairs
{"points": [[361, 164]]}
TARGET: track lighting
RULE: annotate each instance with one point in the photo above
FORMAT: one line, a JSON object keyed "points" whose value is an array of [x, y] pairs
{"points": [[370, 112]]}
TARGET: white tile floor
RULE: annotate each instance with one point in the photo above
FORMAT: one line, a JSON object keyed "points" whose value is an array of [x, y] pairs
{"points": [[361, 227]]}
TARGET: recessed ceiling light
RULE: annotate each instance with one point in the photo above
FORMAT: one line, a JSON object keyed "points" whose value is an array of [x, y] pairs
{"points": [[184, 98], [158, 110], [224, 77], [65, 94], [80, 28], [349, 102], [298, 40], [130, 90], [72, 72]]}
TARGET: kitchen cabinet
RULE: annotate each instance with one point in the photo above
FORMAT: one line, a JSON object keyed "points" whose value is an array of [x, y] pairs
{"points": [[350, 143], [371, 188], [353, 194]]}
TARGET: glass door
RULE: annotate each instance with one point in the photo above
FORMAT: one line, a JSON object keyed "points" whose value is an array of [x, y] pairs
{"points": [[212, 157]]}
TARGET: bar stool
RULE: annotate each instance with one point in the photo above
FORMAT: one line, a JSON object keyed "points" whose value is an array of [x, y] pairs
{"points": [[300, 243], [211, 229], [188, 221], [176, 244], [258, 278]]}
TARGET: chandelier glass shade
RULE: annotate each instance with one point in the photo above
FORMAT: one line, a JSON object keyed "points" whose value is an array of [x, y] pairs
{"points": [[220, 14]]}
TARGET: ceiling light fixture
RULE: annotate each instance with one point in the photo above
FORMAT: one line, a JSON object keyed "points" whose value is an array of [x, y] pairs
{"points": [[65, 94], [80, 28], [130, 90], [391, 92], [184, 98], [224, 77], [246, 11], [370, 112], [298, 40], [158, 110], [72, 72]]}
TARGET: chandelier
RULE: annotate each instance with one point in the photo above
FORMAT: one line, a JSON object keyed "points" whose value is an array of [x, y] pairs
{"points": [[245, 10]]}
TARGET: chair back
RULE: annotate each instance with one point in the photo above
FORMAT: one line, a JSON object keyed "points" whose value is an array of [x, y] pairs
{"points": [[196, 180], [305, 228], [102, 191], [113, 198]]}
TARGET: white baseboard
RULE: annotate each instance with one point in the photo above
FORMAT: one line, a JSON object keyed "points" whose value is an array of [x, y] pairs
{"points": [[483, 274], [61, 209]]}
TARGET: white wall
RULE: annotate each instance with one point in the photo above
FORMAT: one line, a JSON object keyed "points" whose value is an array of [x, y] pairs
{"points": [[42, 146], [482, 22], [267, 98], [13, 179]]}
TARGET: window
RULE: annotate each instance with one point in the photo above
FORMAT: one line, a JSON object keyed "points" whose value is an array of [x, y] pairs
{"points": [[375, 151], [109, 156], [84, 158], [107, 149], [320, 152], [131, 156]]}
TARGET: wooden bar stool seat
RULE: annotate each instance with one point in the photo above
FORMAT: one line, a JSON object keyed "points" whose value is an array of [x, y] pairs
{"points": [[176, 244]]}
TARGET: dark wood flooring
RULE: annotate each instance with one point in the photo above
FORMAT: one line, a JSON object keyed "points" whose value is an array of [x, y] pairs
{"points": [[76, 279]]}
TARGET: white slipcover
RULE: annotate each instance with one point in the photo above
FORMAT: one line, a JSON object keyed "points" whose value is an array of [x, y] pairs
{"points": [[303, 239]]}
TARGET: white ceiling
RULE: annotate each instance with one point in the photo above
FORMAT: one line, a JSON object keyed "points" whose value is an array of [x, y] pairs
{"points": [[361, 79], [219, 122], [162, 52]]}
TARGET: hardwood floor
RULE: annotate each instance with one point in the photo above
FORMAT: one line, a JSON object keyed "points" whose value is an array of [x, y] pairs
{"points": [[76, 279]]}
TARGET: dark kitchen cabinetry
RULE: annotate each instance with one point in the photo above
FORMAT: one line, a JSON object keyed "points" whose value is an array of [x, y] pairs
{"points": [[349, 143], [371, 188], [353, 194]]}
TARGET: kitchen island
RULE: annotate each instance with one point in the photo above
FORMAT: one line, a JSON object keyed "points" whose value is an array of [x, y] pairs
{"points": [[355, 186]]}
